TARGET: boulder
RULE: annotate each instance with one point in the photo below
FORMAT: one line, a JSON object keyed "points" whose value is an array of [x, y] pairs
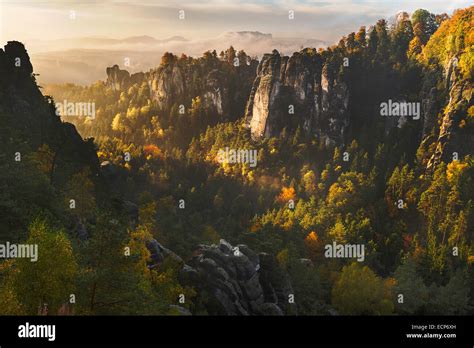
{"points": [[234, 279], [231, 275]]}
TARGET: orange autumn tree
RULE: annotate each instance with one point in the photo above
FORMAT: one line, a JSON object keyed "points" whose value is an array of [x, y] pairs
{"points": [[152, 151], [286, 194]]}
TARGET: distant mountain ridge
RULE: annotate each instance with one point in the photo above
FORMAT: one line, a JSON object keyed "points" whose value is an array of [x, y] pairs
{"points": [[99, 42], [82, 60]]}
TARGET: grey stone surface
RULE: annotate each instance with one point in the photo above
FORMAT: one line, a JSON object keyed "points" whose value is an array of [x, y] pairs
{"points": [[233, 280], [320, 100]]}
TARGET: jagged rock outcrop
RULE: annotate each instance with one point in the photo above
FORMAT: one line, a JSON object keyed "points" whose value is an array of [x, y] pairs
{"points": [[166, 84], [14, 60], [118, 79], [332, 117], [234, 280], [297, 91], [452, 139], [33, 117], [430, 111], [223, 88], [229, 276], [159, 253], [276, 284], [31, 127]]}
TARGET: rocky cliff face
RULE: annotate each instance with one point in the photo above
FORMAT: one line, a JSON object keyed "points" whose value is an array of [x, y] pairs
{"points": [[222, 87], [285, 92], [118, 79], [297, 91], [31, 117], [453, 140], [235, 280], [30, 127]]}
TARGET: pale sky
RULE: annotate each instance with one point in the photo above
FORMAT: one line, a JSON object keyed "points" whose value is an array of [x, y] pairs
{"points": [[328, 20]]}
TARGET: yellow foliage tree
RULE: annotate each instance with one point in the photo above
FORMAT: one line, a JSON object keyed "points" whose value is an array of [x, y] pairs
{"points": [[454, 169], [359, 291]]}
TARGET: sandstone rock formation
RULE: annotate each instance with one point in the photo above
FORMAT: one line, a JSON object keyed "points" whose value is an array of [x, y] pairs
{"points": [[118, 79], [235, 280], [223, 88], [297, 91], [452, 138]]}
